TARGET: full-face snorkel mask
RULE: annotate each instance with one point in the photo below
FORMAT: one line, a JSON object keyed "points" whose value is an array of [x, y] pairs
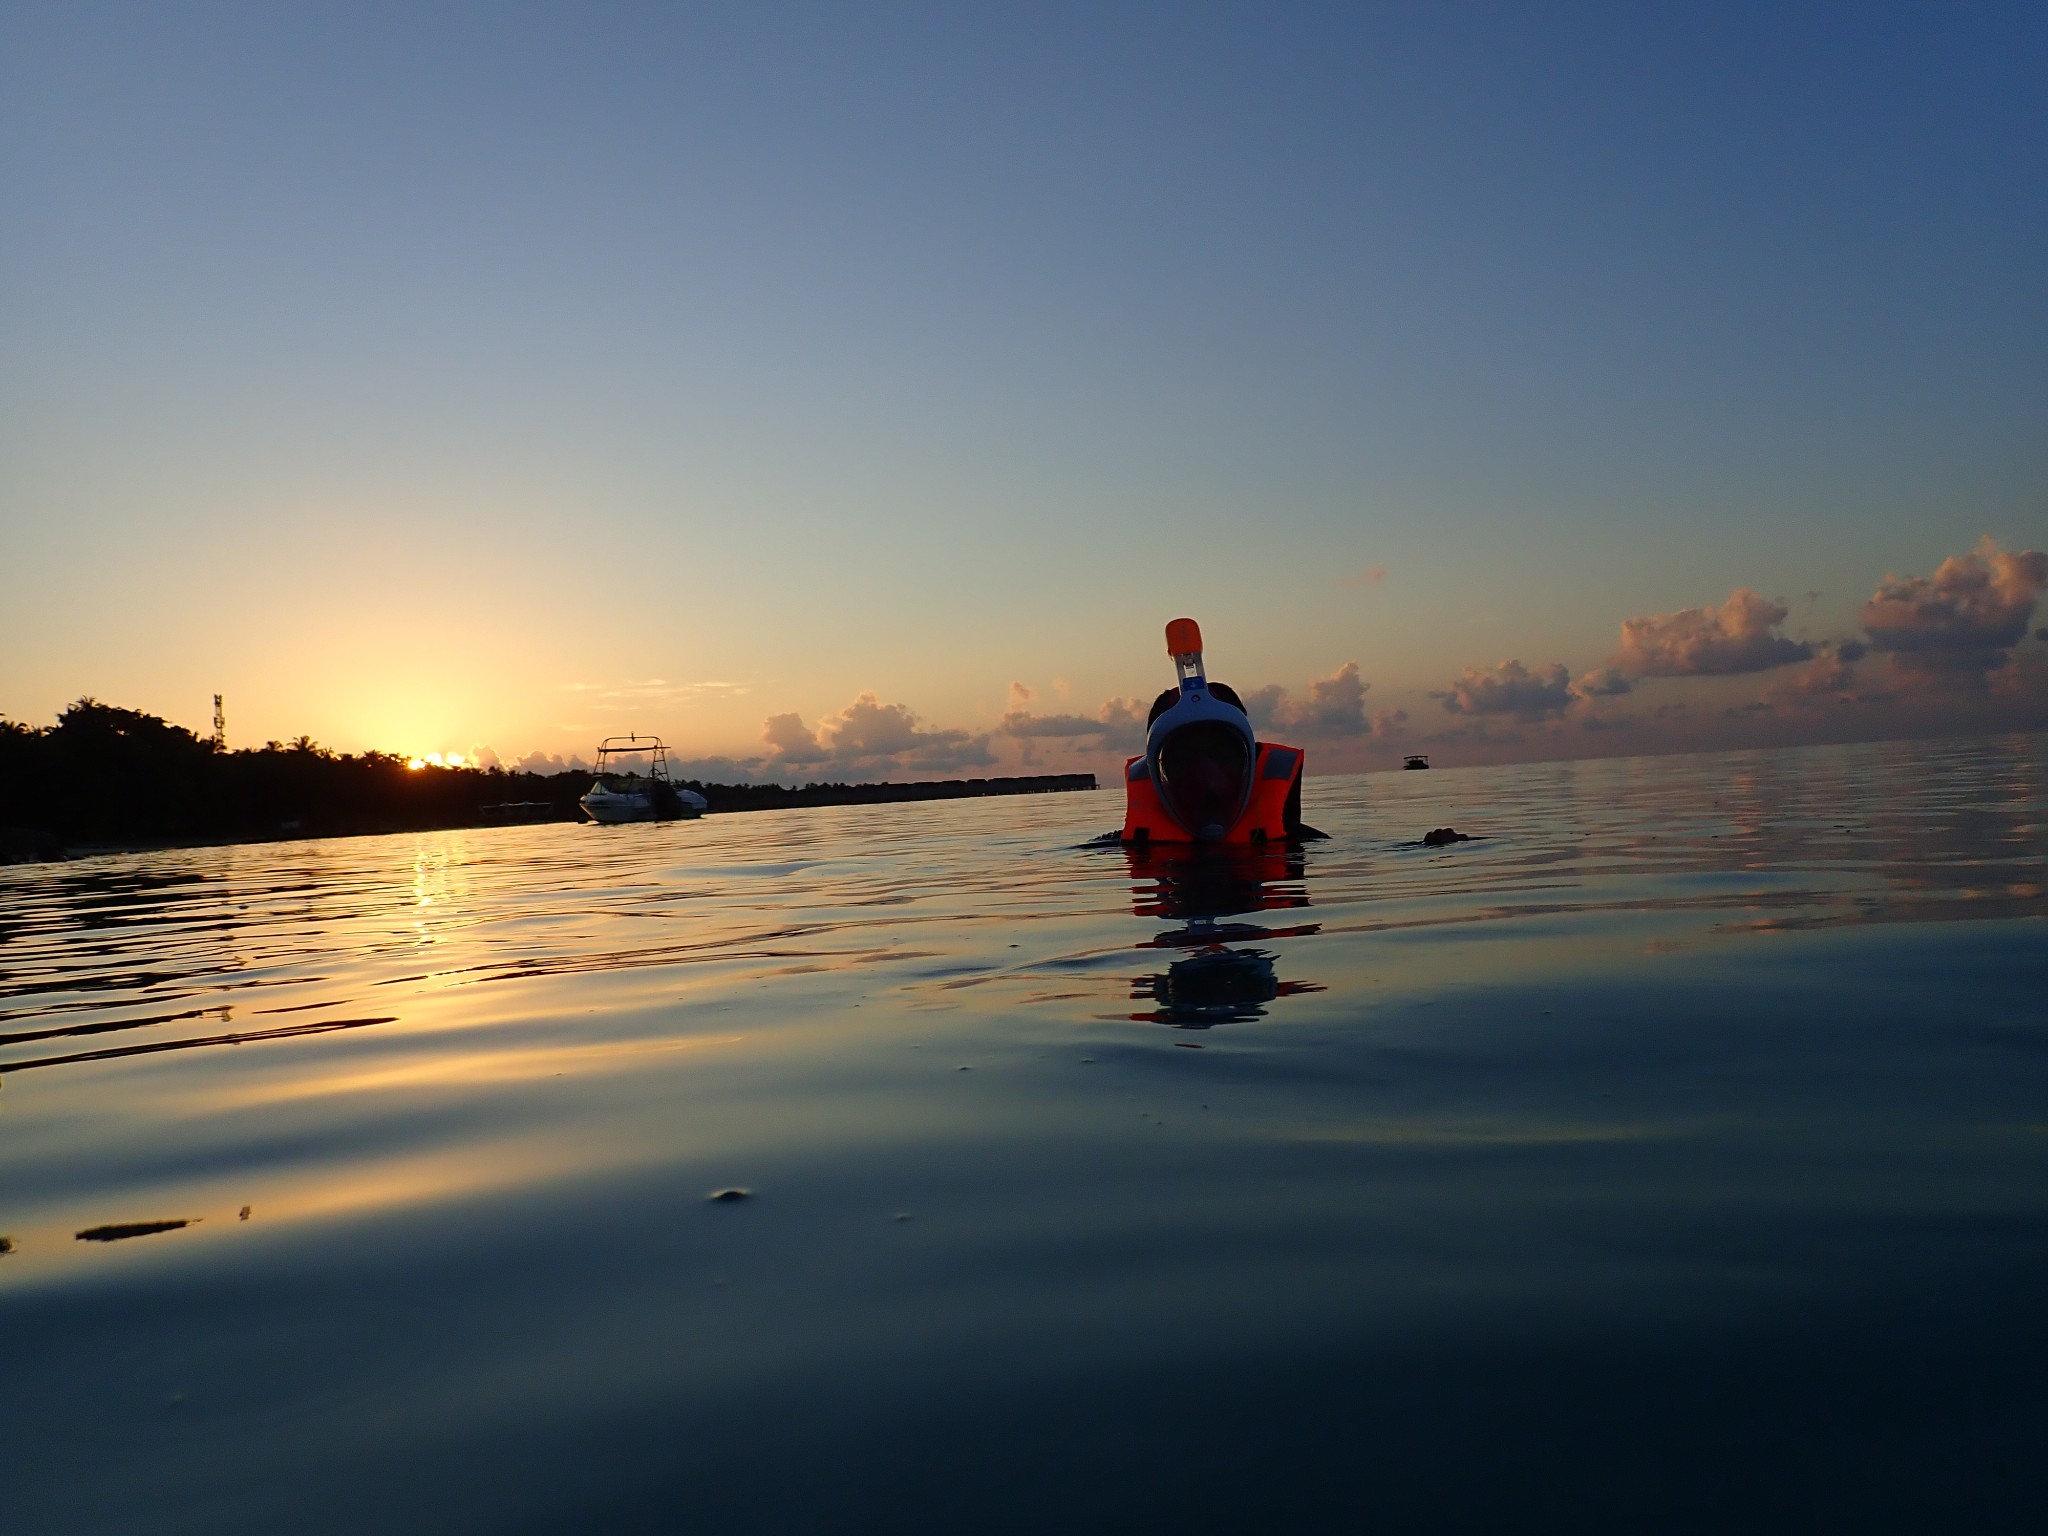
{"points": [[1200, 750]]}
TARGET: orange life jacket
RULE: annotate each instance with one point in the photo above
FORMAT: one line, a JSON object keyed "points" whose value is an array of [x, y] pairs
{"points": [[1276, 774]]}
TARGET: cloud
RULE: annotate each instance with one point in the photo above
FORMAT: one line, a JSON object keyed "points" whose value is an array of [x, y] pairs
{"points": [[1021, 694], [1957, 624], [1829, 678], [868, 737], [547, 762], [1509, 689], [717, 770], [1116, 717], [1602, 683], [1709, 642], [638, 697], [1371, 576], [485, 757], [1264, 704], [1335, 706], [792, 742]]}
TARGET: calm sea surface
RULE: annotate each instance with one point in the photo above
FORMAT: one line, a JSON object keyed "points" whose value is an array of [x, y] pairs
{"points": [[1673, 1158]]}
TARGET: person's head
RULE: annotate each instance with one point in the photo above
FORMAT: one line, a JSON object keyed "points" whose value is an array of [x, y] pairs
{"points": [[1172, 696], [1200, 751]]}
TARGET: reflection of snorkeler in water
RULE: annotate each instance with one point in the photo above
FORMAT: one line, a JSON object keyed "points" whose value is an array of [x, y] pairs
{"points": [[1209, 892], [1213, 986], [1200, 887], [1204, 777]]}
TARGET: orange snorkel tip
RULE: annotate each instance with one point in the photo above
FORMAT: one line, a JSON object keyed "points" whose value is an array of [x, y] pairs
{"points": [[1183, 638]]}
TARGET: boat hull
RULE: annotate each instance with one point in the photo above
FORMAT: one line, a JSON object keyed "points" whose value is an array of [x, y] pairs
{"points": [[615, 809]]}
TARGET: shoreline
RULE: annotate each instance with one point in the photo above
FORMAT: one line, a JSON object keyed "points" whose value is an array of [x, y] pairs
{"points": [[35, 845]]}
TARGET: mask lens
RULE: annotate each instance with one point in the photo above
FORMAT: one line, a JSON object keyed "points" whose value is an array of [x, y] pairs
{"points": [[1204, 769]]}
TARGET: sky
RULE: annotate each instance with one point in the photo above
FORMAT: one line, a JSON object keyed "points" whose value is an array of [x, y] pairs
{"points": [[855, 391]]}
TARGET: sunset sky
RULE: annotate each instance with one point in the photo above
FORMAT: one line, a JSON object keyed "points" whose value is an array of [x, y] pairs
{"points": [[855, 390]]}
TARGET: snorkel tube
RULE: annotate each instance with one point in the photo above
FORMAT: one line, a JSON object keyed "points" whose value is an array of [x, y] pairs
{"points": [[1200, 751]]}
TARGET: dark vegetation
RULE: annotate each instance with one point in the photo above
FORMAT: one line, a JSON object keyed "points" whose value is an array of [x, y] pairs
{"points": [[105, 776]]}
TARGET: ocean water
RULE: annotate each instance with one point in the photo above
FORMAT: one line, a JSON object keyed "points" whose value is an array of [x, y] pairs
{"points": [[1672, 1157]]}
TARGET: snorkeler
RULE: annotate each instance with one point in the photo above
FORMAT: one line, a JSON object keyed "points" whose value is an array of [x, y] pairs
{"points": [[1204, 777]]}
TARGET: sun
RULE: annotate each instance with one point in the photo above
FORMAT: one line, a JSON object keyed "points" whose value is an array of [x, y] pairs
{"points": [[436, 760]]}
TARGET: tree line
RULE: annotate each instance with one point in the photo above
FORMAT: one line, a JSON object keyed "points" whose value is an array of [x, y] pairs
{"points": [[105, 775]]}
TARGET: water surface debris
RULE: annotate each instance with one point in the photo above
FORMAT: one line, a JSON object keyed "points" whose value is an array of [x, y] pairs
{"points": [[6, 1245], [1438, 837], [729, 1196], [114, 1232]]}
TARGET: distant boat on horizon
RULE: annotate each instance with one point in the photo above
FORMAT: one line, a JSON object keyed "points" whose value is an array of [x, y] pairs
{"points": [[1415, 760], [618, 796]]}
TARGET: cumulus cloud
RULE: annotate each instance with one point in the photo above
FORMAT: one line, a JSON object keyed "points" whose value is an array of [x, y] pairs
{"points": [[1602, 683], [1959, 623], [716, 770], [868, 736], [1509, 689], [485, 757], [1116, 717], [548, 762], [792, 742], [1829, 678], [1709, 642], [1264, 704], [1334, 708]]}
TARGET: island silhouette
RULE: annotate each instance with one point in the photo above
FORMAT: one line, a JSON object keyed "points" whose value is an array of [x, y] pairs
{"points": [[107, 777]]}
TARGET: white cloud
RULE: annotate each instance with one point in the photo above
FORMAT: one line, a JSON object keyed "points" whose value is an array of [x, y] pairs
{"points": [[1829, 678], [869, 738], [1602, 683], [1509, 689], [791, 741], [546, 762], [1335, 706], [1709, 642], [1960, 622], [1124, 717]]}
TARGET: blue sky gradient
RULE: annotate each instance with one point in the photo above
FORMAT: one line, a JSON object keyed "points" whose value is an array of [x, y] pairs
{"points": [[426, 376]]}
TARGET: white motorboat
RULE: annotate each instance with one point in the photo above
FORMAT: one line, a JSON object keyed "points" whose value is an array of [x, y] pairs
{"points": [[642, 793]]}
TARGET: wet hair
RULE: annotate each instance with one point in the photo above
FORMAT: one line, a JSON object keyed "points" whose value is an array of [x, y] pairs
{"points": [[1168, 699]]}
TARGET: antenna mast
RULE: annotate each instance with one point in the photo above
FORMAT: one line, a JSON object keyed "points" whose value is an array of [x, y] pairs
{"points": [[220, 726]]}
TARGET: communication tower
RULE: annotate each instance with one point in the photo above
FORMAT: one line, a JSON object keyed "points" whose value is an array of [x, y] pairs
{"points": [[220, 726]]}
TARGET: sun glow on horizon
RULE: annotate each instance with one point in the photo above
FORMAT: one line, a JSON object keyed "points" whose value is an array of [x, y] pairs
{"points": [[436, 760]]}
